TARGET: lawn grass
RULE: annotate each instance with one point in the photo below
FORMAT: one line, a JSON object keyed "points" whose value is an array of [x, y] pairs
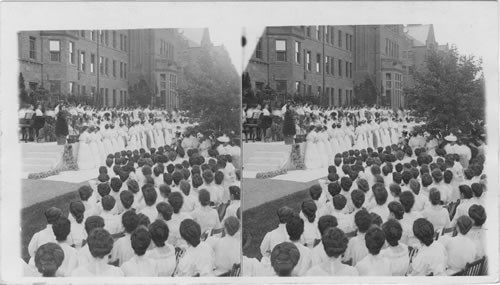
{"points": [[33, 218], [259, 220]]}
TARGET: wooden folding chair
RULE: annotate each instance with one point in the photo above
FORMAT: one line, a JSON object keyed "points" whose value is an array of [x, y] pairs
{"points": [[348, 262], [475, 268], [217, 231], [452, 209], [453, 231], [236, 270], [351, 234], [221, 210], [412, 251], [316, 242]]}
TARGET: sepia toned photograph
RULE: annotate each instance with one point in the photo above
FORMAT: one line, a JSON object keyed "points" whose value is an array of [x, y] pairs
{"points": [[364, 152], [130, 144]]}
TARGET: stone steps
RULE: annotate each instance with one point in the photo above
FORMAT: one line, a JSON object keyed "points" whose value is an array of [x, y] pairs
{"points": [[40, 157]]}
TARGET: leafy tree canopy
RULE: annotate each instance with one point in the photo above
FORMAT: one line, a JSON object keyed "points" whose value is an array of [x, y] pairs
{"points": [[210, 91], [449, 92]]}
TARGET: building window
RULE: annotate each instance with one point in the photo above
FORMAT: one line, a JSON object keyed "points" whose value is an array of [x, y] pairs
{"points": [[84, 90], [114, 39], [121, 42], [350, 42], [114, 68], [308, 31], [124, 43], [280, 50], [318, 62], [106, 96], [340, 38], [308, 60], [125, 70], [101, 64], [327, 64], [106, 38], [55, 50], [346, 69], [332, 35], [347, 42], [340, 97], [327, 34], [92, 91], [82, 33], [319, 90], [101, 37], [82, 61], [309, 90], [340, 68], [163, 86], [33, 86], [71, 87], [114, 97], [92, 35], [71, 52], [318, 33], [173, 90], [92, 63], [332, 66], [388, 81], [258, 50], [106, 66], [281, 86], [55, 86], [259, 85], [32, 48], [350, 69], [297, 86], [121, 69], [297, 52], [171, 52]]}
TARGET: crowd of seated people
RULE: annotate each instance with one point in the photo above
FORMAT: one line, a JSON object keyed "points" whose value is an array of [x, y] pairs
{"points": [[162, 212], [390, 211]]}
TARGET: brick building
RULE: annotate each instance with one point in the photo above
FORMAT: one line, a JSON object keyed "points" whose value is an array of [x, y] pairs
{"points": [[305, 60], [83, 62], [378, 57], [153, 58]]}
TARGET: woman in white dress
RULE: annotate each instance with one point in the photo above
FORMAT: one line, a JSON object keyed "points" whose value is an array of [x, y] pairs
{"points": [[108, 146], [144, 138], [360, 137], [328, 155], [100, 245], [311, 157], [94, 149], [114, 139], [85, 160], [334, 142], [348, 136], [121, 139], [159, 138], [335, 244], [100, 145]]}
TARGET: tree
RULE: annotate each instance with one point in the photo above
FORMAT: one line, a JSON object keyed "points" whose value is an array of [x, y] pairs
{"points": [[449, 92], [23, 94], [366, 93], [140, 93], [211, 90]]}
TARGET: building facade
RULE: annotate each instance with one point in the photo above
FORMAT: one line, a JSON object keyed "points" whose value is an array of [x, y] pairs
{"points": [[153, 58], [306, 60], [378, 57], [90, 63]]}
